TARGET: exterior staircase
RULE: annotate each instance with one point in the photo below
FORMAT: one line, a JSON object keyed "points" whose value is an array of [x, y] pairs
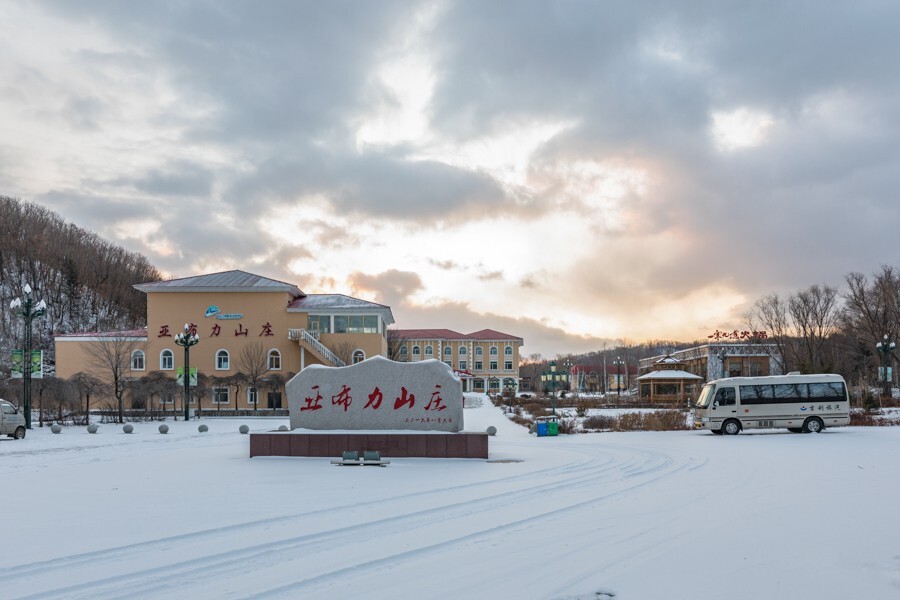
{"points": [[310, 343]]}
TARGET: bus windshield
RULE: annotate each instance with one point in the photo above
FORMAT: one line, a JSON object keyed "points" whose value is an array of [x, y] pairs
{"points": [[706, 396]]}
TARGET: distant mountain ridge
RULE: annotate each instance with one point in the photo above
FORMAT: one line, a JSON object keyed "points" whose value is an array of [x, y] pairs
{"points": [[85, 280]]}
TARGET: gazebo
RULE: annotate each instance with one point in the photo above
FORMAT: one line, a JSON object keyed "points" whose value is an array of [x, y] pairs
{"points": [[669, 382]]}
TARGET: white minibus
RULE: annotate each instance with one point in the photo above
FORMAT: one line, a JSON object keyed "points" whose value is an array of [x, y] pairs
{"points": [[800, 403]]}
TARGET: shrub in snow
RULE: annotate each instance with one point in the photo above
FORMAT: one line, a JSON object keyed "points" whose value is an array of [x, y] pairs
{"points": [[128, 428], [203, 429], [164, 428], [55, 428], [244, 429], [92, 428]]}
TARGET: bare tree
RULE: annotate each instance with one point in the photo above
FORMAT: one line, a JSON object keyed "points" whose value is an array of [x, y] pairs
{"points": [[253, 362], [394, 343], [815, 314], [344, 351], [112, 357], [770, 314], [872, 311], [85, 386]]}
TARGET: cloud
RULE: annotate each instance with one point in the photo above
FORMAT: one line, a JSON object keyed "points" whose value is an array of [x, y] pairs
{"points": [[584, 170]]}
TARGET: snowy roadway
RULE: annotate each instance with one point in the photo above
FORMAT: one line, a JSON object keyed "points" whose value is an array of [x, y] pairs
{"points": [[639, 515]]}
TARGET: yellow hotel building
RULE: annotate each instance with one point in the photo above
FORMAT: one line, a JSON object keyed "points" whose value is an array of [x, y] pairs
{"points": [[247, 324], [486, 360]]}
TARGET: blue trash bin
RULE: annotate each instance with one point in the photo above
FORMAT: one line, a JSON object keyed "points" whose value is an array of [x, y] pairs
{"points": [[541, 428]]}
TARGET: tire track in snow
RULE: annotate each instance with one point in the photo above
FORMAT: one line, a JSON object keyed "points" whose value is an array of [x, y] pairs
{"points": [[580, 473]]}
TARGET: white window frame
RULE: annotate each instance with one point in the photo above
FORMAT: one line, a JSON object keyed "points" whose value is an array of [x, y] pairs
{"points": [[494, 351], [358, 353], [463, 351], [448, 351], [417, 351], [478, 351], [215, 394], [508, 351], [507, 365], [463, 365], [404, 350], [493, 365], [252, 396], [138, 358], [429, 350], [162, 360], [227, 356], [273, 353]]}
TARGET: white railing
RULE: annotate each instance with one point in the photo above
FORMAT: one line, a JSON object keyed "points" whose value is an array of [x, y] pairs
{"points": [[312, 338]]}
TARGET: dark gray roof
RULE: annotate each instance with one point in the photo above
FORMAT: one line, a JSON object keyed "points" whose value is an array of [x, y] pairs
{"points": [[226, 281]]}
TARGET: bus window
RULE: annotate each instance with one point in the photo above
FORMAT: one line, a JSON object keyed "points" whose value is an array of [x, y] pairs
{"points": [[725, 397], [705, 396]]}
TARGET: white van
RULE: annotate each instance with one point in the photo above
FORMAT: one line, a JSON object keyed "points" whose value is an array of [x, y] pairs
{"points": [[800, 403], [12, 422]]}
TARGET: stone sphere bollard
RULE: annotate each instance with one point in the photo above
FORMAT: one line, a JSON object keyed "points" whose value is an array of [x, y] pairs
{"points": [[92, 428], [128, 428], [55, 428], [203, 429], [164, 428], [491, 430], [282, 428], [244, 429]]}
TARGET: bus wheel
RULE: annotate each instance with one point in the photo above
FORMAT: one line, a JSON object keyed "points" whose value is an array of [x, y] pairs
{"points": [[813, 425], [20, 433], [795, 429], [731, 427]]}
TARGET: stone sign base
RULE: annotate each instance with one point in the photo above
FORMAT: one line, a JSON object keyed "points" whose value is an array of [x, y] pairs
{"points": [[391, 445]]}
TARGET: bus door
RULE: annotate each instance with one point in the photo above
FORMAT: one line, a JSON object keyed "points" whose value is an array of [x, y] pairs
{"points": [[723, 404]]}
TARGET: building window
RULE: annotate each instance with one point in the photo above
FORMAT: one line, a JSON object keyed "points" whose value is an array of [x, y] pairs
{"points": [[478, 351], [358, 356], [166, 360], [341, 324], [449, 363], [479, 365], [493, 365], [462, 365], [404, 350], [507, 365], [416, 351], [137, 360], [274, 399], [252, 396], [462, 350], [320, 323], [508, 351], [493, 350], [220, 395], [167, 397], [429, 351], [370, 324], [274, 360], [448, 351], [223, 360]]}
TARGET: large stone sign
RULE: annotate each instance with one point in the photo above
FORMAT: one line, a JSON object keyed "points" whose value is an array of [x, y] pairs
{"points": [[377, 394]]}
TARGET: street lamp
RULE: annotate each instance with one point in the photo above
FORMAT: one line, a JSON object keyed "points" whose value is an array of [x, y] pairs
{"points": [[552, 377], [187, 339], [618, 362], [885, 347], [29, 311]]}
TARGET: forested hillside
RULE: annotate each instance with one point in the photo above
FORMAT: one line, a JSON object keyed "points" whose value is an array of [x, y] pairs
{"points": [[85, 280]]}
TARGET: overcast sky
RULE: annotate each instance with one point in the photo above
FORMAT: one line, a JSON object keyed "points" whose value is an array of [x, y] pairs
{"points": [[575, 173]]}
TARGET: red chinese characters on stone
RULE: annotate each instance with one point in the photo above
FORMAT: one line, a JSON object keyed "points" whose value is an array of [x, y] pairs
{"points": [[342, 398], [266, 330], [375, 399], [436, 401], [405, 398], [313, 403], [164, 331]]}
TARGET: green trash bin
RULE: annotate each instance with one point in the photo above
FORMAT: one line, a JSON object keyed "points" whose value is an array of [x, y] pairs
{"points": [[552, 427]]}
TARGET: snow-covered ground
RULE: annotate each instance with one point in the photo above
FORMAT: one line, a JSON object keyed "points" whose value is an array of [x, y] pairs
{"points": [[679, 515]]}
